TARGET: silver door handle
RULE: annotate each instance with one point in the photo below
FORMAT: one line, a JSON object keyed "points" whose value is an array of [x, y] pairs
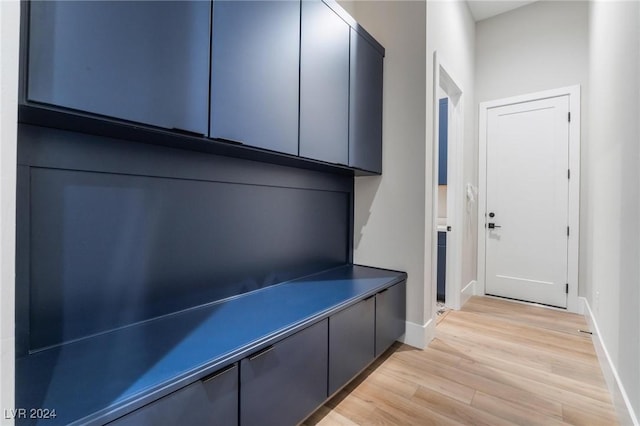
{"points": [[493, 226]]}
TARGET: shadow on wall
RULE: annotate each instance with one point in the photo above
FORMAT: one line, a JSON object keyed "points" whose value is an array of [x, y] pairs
{"points": [[367, 191]]}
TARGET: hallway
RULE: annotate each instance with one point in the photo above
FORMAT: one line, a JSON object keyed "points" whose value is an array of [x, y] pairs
{"points": [[494, 362]]}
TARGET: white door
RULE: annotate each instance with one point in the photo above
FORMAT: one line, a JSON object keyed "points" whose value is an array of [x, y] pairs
{"points": [[527, 192]]}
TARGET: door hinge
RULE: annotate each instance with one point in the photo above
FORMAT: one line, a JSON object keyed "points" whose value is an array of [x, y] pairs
{"points": [[567, 231], [569, 117], [566, 289], [569, 174]]}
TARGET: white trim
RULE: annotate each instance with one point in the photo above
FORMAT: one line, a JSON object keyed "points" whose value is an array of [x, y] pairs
{"points": [[9, 47], [621, 402], [442, 78], [468, 291], [417, 335], [574, 183]]}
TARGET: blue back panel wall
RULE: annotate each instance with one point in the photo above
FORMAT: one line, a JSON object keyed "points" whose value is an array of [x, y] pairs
{"points": [[113, 233]]}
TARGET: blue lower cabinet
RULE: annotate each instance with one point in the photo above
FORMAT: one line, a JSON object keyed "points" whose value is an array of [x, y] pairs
{"points": [[390, 316], [442, 266], [211, 401], [283, 383], [351, 342]]}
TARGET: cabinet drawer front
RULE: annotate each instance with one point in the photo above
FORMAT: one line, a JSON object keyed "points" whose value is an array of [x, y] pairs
{"points": [[286, 382], [390, 316], [351, 342], [212, 401], [141, 61]]}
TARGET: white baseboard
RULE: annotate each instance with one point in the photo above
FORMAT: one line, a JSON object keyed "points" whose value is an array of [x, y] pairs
{"points": [[417, 335], [624, 410], [466, 293]]}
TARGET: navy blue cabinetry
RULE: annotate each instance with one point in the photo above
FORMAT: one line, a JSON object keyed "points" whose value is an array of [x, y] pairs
{"points": [[324, 84], [443, 132], [365, 108], [351, 342], [301, 79], [283, 383], [141, 61], [442, 265], [210, 401], [390, 316], [255, 73]]}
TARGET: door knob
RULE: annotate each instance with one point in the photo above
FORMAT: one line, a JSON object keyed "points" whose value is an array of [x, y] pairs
{"points": [[493, 226]]}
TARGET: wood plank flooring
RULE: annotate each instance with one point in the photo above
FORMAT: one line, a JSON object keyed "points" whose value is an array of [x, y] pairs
{"points": [[494, 362]]}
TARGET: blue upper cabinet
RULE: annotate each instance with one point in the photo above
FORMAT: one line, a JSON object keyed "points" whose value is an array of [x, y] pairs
{"points": [[255, 73], [324, 84], [365, 105], [443, 129], [293, 77], [146, 62]]}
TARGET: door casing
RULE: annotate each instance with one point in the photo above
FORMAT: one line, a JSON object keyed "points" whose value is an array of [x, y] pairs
{"points": [[574, 184], [442, 78]]}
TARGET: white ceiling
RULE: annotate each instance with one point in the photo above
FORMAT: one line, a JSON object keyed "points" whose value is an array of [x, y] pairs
{"points": [[483, 9]]}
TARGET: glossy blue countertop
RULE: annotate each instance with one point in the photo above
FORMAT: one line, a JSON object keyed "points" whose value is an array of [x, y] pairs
{"points": [[98, 379]]}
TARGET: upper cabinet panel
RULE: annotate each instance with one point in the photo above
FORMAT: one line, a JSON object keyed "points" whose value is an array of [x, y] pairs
{"points": [[255, 73], [324, 84], [141, 61], [365, 105]]}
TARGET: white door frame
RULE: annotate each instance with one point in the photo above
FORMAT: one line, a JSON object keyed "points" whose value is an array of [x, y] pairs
{"points": [[9, 54], [574, 183], [442, 79]]}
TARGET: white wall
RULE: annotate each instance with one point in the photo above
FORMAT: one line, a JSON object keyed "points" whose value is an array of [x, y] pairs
{"points": [[538, 47], [612, 163], [9, 36], [390, 210], [451, 32]]}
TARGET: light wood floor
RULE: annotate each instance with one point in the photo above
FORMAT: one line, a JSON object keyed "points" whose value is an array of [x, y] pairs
{"points": [[494, 362]]}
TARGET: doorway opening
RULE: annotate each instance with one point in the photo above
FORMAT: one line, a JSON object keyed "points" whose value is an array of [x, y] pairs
{"points": [[447, 189], [443, 140]]}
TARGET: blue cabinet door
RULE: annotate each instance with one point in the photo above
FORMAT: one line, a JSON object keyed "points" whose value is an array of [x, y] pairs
{"points": [[284, 383], [443, 140], [365, 105], [208, 402], [141, 61], [390, 316], [255, 73], [442, 265], [351, 342], [324, 84]]}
